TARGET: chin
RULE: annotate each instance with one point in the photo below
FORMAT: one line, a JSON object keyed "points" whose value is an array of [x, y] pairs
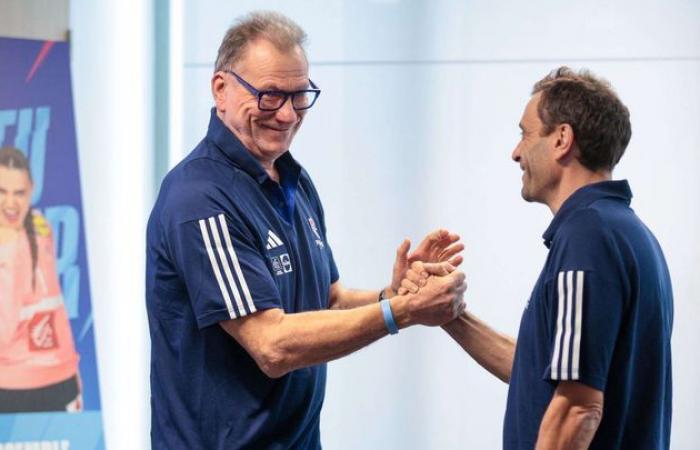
{"points": [[275, 147], [526, 195], [12, 226]]}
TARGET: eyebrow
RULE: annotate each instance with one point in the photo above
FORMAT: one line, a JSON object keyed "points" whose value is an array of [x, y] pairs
{"points": [[273, 86], [520, 125]]}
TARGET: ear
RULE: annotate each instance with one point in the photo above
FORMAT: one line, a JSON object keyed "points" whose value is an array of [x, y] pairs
{"points": [[218, 90], [563, 136]]}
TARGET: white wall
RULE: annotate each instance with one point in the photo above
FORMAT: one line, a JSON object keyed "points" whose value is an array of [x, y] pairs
{"points": [[112, 70], [414, 130]]}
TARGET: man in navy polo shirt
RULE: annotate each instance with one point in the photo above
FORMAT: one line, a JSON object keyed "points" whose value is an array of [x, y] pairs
{"points": [[592, 363], [243, 298]]}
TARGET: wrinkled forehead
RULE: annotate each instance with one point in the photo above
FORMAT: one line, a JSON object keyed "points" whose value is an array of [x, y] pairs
{"points": [[261, 54]]}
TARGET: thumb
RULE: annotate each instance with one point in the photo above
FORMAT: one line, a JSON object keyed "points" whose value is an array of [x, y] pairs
{"points": [[402, 252], [439, 269]]}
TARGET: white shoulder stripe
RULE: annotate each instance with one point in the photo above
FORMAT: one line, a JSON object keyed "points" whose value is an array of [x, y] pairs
{"points": [[577, 326], [215, 267], [225, 264], [557, 339], [237, 266]]}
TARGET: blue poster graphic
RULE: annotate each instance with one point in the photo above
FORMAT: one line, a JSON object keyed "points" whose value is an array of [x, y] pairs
{"points": [[49, 391]]}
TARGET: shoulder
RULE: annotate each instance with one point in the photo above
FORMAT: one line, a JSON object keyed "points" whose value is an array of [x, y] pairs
{"points": [[198, 187], [585, 242], [585, 223]]}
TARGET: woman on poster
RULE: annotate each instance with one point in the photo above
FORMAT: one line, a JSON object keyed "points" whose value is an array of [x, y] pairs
{"points": [[38, 361]]}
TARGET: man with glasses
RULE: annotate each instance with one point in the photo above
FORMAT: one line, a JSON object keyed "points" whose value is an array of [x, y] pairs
{"points": [[243, 298]]}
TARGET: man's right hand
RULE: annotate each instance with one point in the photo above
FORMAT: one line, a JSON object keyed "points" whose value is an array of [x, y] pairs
{"points": [[432, 300]]}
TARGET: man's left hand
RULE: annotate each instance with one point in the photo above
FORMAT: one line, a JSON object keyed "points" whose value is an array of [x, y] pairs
{"points": [[438, 246]]}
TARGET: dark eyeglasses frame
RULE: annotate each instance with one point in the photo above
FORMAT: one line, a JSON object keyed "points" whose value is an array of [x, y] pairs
{"points": [[260, 94]]}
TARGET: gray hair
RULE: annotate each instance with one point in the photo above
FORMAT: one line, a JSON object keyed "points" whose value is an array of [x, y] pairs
{"points": [[274, 27]]}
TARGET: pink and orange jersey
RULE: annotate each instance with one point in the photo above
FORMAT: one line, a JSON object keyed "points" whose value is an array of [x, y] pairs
{"points": [[36, 342]]}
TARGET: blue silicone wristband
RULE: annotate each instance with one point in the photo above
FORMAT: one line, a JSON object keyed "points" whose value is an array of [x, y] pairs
{"points": [[388, 317]]}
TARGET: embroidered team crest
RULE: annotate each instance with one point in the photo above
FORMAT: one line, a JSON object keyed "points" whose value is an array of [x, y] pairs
{"points": [[281, 264], [314, 228], [42, 333]]}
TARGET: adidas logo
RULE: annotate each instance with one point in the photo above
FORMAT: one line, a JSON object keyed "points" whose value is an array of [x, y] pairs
{"points": [[273, 241]]}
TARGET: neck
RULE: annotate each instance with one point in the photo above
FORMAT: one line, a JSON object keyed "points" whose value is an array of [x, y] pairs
{"points": [[572, 182], [271, 170]]}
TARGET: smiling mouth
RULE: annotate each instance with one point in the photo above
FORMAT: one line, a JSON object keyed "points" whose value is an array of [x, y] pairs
{"points": [[11, 215], [279, 130]]}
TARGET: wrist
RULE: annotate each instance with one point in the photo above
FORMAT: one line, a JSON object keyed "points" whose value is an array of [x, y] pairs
{"points": [[399, 307], [386, 292], [388, 314]]}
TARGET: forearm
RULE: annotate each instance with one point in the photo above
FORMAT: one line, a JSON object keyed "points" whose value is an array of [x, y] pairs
{"points": [[567, 426], [293, 341], [353, 298], [494, 351]]}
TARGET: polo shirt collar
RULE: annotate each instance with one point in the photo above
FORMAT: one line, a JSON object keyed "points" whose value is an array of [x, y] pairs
{"points": [[241, 157], [618, 190]]}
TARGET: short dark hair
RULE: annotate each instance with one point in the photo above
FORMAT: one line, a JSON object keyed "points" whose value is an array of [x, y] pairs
{"points": [[601, 122], [277, 28]]}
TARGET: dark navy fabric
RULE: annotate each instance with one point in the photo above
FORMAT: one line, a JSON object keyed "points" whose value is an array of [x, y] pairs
{"points": [[601, 313], [224, 241]]}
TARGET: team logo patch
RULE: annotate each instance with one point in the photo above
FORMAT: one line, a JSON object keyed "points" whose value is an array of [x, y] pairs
{"points": [[281, 264], [42, 333], [314, 229]]}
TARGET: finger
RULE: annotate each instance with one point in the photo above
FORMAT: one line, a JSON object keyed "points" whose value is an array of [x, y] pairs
{"points": [[446, 239], [402, 291], [438, 240], [456, 261], [461, 289], [451, 251], [437, 235], [456, 278], [402, 251], [439, 269], [432, 245], [419, 267], [417, 278], [409, 285], [431, 239]]}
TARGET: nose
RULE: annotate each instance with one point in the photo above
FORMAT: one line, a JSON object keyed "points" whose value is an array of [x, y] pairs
{"points": [[515, 156], [10, 201], [286, 113]]}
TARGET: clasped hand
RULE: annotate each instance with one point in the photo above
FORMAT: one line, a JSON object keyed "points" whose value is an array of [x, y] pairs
{"points": [[429, 279]]}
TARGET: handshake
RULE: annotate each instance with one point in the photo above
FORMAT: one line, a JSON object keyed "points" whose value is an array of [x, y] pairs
{"points": [[430, 291]]}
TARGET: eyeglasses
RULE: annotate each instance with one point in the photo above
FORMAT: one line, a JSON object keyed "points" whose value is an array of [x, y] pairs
{"points": [[272, 100]]}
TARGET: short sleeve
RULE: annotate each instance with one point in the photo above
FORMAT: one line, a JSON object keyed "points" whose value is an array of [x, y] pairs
{"points": [[225, 274], [587, 297]]}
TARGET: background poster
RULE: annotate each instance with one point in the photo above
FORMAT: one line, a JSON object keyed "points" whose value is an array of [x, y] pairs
{"points": [[36, 117]]}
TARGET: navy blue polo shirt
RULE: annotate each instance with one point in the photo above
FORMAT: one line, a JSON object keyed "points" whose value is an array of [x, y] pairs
{"points": [[224, 241], [601, 314]]}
